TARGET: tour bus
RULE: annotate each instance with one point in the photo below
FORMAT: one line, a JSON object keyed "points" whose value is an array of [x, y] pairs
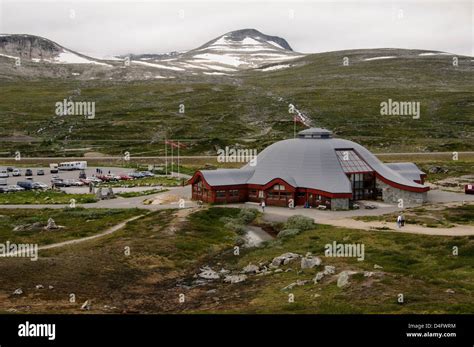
{"points": [[73, 165]]}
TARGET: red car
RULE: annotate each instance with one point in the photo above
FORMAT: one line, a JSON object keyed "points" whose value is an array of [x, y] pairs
{"points": [[469, 189], [125, 177]]}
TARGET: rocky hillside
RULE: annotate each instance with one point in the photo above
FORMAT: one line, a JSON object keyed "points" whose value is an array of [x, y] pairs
{"points": [[225, 55]]}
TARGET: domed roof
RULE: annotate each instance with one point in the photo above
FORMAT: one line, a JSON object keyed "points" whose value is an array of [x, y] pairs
{"points": [[310, 161]]}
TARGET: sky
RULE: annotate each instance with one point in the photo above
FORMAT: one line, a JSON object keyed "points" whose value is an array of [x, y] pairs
{"points": [[105, 28]]}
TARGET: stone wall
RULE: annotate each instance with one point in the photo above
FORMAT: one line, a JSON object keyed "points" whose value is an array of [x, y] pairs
{"points": [[391, 194], [339, 204]]}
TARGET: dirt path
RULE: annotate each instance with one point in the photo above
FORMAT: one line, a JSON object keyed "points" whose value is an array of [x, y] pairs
{"points": [[84, 239], [458, 230]]}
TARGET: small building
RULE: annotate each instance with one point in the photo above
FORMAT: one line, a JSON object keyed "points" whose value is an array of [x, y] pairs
{"points": [[311, 170]]}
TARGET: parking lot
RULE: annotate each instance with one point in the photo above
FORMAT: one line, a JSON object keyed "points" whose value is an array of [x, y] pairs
{"points": [[68, 175]]}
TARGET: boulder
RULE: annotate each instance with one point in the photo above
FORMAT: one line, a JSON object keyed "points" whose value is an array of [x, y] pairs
{"points": [[329, 270], [208, 274], [39, 286], [284, 259], [250, 268], [308, 262], [86, 305], [235, 278], [368, 273], [450, 291], [343, 279], [319, 276], [51, 224], [18, 291], [377, 266]]}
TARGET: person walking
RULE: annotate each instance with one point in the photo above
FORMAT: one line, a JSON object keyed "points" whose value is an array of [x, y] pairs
{"points": [[402, 220], [263, 205], [399, 221]]}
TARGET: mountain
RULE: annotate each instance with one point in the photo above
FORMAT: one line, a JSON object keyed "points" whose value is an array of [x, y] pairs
{"points": [[38, 49], [227, 54]]}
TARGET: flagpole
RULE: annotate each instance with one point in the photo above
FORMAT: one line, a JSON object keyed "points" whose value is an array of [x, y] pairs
{"points": [[178, 159], [294, 127]]}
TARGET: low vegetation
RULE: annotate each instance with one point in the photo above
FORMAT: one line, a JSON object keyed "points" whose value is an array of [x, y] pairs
{"points": [[432, 216], [28, 225], [145, 182], [32, 197], [141, 193]]}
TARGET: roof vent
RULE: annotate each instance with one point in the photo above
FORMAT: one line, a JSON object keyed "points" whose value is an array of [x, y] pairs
{"points": [[315, 133]]}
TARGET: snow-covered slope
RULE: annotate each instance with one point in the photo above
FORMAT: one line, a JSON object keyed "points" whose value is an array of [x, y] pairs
{"points": [[231, 52], [40, 50]]}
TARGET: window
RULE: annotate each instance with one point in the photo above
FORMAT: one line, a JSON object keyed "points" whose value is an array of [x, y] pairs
{"points": [[301, 194], [278, 187], [253, 193], [220, 194], [234, 193], [351, 162]]}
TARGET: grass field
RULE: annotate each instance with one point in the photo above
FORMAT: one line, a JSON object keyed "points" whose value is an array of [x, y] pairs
{"points": [[76, 222], [250, 109], [32, 197], [166, 250]]}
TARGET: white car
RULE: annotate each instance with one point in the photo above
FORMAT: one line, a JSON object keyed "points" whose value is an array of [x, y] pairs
{"points": [[16, 172], [14, 188], [93, 179], [4, 173], [40, 185]]}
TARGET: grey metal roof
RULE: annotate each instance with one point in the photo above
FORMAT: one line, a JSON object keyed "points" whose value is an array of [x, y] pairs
{"points": [[226, 177], [306, 163], [408, 170]]}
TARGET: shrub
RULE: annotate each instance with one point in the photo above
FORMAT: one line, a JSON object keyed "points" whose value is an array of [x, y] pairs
{"points": [[299, 222], [236, 227], [288, 232], [247, 215]]}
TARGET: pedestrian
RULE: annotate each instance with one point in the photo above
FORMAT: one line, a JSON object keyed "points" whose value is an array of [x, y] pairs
{"points": [[402, 220], [399, 221], [263, 205]]}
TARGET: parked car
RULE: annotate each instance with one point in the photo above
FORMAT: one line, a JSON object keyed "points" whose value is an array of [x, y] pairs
{"points": [[16, 172], [74, 183], [469, 189], [9, 169], [136, 175], [40, 185], [29, 172], [4, 173], [59, 182], [148, 173], [125, 177], [27, 185], [40, 172], [89, 180], [14, 188]]}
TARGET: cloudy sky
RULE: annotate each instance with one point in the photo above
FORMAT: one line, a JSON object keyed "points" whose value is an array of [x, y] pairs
{"points": [[103, 27]]}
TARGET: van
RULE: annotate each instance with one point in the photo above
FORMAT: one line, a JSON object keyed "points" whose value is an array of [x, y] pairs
{"points": [[53, 168], [4, 173], [27, 185]]}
